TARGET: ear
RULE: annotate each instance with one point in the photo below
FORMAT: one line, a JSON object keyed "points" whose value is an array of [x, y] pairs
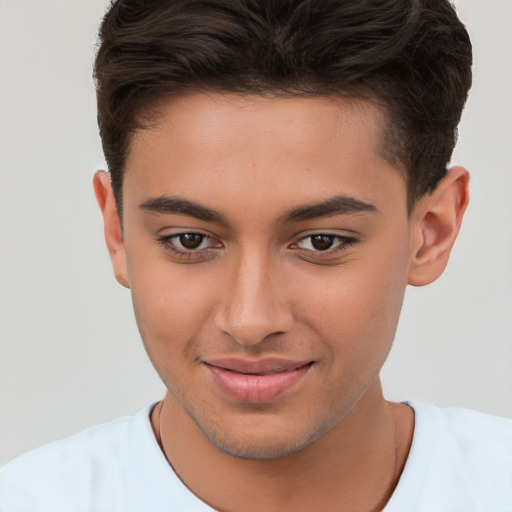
{"points": [[112, 225], [435, 225]]}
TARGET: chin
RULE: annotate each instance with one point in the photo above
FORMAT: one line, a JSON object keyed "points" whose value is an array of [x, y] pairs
{"points": [[262, 442], [258, 449]]}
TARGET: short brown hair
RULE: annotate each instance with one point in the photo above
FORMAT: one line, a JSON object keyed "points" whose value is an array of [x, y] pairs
{"points": [[411, 56]]}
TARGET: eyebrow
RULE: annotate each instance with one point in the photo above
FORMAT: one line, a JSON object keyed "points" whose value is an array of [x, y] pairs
{"points": [[338, 205], [180, 206]]}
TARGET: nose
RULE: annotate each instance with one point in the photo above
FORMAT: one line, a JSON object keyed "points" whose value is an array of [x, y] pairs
{"points": [[254, 305]]}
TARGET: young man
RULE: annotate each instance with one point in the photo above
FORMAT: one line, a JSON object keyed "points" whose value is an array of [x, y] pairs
{"points": [[277, 177]]}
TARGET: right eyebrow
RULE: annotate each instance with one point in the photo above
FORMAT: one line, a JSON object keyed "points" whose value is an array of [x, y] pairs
{"points": [[178, 206]]}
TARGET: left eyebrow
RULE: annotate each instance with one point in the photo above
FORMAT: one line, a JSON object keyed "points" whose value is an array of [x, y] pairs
{"points": [[338, 205]]}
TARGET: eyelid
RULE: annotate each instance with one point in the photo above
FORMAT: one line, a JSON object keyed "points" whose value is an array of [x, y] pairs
{"points": [[340, 236], [345, 241], [166, 241]]}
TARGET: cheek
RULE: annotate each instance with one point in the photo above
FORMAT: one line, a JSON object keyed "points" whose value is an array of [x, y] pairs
{"points": [[357, 306], [170, 301]]}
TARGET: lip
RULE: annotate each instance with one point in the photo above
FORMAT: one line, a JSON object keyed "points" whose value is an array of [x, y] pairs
{"points": [[256, 381]]}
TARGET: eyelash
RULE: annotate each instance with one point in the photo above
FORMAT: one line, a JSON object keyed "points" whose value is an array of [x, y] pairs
{"points": [[344, 242], [167, 242]]}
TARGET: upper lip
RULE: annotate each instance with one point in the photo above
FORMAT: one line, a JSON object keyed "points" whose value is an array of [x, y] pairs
{"points": [[248, 366]]}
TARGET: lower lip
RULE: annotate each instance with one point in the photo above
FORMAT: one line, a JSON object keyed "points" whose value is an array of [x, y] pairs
{"points": [[256, 388]]}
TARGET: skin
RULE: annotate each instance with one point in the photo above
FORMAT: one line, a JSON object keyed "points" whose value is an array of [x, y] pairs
{"points": [[257, 287]]}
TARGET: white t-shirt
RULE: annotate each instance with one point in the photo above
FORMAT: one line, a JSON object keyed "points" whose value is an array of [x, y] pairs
{"points": [[460, 461]]}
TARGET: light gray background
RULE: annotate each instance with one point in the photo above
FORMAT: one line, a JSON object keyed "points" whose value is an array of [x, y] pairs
{"points": [[70, 354]]}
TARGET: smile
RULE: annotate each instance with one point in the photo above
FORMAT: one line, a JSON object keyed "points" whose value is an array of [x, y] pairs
{"points": [[256, 381]]}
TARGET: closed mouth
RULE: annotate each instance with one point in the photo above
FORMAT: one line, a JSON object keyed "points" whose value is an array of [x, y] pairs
{"points": [[257, 381]]}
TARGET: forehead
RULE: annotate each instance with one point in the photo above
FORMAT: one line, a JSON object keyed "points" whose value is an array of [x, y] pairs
{"points": [[215, 145]]}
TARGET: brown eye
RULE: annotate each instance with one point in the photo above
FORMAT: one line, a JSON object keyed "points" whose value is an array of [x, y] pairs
{"points": [[322, 242], [191, 240], [325, 244], [191, 247]]}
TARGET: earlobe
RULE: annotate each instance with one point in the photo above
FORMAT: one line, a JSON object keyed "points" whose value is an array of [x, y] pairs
{"points": [[435, 225], [112, 225]]}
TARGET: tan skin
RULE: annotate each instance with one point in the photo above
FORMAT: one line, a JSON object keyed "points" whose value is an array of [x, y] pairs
{"points": [[259, 284]]}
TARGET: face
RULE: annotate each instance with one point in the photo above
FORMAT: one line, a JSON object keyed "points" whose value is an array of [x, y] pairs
{"points": [[267, 250]]}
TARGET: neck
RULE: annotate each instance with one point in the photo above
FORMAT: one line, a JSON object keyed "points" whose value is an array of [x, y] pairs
{"points": [[356, 464]]}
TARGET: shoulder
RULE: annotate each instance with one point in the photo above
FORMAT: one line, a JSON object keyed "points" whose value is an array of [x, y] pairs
{"points": [[476, 438], [459, 460], [114, 467], [61, 474]]}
